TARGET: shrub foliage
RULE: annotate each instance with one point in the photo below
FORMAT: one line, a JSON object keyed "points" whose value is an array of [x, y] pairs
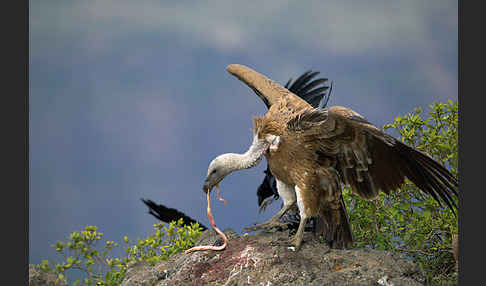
{"points": [[80, 252], [408, 220]]}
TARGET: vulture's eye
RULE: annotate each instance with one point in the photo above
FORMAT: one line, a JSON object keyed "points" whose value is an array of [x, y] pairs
{"points": [[213, 172]]}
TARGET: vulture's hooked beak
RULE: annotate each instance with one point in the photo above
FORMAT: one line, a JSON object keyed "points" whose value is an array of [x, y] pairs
{"points": [[211, 181], [206, 187]]}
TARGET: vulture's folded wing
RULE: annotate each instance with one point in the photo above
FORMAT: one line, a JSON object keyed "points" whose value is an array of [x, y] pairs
{"points": [[369, 160]]}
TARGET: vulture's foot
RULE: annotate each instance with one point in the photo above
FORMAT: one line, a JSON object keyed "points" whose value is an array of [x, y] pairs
{"points": [[296, 242], [299, 235], [267, 226]]}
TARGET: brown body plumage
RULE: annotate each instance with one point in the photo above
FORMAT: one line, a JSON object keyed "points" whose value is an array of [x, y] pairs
{"points": [[312, 153]]}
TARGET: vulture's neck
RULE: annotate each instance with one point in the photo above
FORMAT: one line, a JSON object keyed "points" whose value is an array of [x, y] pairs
{"points": [[249, 159]]}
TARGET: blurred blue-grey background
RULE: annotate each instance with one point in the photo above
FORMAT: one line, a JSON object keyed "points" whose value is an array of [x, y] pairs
{"points": [[130, 99]]}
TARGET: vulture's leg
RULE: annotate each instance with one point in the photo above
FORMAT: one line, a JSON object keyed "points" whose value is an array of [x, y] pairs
{"points": [[297, 240], [307, 208], [287, 193]]}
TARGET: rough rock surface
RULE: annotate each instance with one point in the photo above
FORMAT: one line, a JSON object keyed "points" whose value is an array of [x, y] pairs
{"points": [[264, 259], [40, 278]]}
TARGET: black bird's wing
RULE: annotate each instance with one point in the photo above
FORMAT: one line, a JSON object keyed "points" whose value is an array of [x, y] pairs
{"points": [[167, 215], [309, 89]]}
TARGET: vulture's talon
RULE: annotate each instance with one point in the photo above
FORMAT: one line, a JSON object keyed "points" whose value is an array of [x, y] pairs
{"points": [[295, 243]]}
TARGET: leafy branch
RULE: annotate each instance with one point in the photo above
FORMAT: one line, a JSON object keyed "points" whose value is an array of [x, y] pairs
{"points": [[408, 221], [80, 252]]}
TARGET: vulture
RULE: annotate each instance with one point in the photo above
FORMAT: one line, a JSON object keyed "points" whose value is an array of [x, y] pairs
{"points": [[305, 86], [313, 153], [316, 96]]}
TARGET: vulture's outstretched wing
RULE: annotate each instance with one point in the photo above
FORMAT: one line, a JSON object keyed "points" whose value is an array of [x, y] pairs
{"points": [[314, 92], [369, 160], [266, 89], [167, 215]]}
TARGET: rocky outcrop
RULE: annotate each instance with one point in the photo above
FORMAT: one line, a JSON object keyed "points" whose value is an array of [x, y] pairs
{"points": [[41, 278], [265, 259]]}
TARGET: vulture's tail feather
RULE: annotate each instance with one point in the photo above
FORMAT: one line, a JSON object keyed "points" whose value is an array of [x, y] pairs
{"points": [[333, 225]]}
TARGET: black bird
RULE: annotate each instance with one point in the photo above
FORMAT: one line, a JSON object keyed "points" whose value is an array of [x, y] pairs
{"points": [[305, 86]]}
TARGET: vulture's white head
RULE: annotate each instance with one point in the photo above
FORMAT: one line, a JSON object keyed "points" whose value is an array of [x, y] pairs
{"points": [[219, 168], [225, 164]]}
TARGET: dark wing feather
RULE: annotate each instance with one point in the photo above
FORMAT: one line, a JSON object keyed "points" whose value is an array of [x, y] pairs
{"points": [[167, 215], [369, 160], [311, 90], [304, 87], [267, 188], [304, 78]]}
